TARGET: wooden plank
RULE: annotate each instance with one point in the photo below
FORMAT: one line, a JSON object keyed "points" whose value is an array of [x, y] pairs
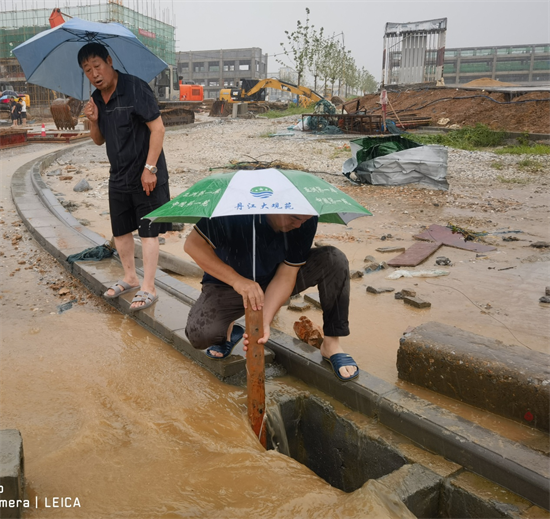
{"points": [[444, 235], [415, 254], [255, 374]]}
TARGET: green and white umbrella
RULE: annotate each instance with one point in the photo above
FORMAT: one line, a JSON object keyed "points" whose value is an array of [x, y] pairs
{"points": [[264, 191]]}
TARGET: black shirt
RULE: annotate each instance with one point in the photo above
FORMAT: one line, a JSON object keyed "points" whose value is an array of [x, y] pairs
{"points": [[122, 122], [231, 237]]}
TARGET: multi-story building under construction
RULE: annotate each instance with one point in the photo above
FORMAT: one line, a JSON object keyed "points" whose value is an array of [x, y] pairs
{"points": [[18, 26], [526, 65]]}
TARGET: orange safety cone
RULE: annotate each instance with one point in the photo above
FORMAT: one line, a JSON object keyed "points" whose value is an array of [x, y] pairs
{"points": [[43, 132]]}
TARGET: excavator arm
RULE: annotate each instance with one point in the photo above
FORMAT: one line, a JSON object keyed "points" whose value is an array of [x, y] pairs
{"points": [[284, 86]]}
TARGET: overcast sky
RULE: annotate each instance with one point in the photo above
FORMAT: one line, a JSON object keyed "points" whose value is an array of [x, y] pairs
{"points": [[226, 24]]}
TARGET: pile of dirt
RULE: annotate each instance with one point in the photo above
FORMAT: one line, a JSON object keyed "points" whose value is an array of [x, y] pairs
{"points": [[526, 113], [488, 82]]}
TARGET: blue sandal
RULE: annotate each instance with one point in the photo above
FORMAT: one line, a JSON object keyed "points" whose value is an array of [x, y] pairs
{"points": [[227, 348], [340, 360]]}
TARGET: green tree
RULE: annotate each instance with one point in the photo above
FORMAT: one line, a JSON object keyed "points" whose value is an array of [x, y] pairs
{"points": [[350, 74], [318, 43], [298, 47], [367, 83], [330, 67]]}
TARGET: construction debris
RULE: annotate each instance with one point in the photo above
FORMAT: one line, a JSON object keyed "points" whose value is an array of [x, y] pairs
{"points": [[415, 254], [308, 332], [451, 238]]}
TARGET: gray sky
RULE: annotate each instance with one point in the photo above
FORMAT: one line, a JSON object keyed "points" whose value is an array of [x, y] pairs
{"points": [[224, 24]]}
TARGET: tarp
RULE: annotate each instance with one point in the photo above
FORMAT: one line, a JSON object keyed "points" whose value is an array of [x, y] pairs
{"points": [[395, 161]]}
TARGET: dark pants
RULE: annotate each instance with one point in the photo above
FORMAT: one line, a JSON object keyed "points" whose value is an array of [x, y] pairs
{"points": [[219, 305], [128, 209]]}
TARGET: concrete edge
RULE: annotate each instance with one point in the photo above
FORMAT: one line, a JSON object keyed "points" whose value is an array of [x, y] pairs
{"points": [[520, 470]]}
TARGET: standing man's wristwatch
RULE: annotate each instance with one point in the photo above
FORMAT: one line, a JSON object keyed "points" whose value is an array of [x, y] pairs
{"points": [[152, 169]]}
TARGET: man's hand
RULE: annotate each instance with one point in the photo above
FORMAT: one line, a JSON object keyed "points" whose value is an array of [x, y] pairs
{"points": [[148, 181], [90, 111], [262, 340], [251, 293]]}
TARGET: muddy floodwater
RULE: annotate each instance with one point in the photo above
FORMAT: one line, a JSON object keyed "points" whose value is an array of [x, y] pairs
{"points": [[121, 421]]}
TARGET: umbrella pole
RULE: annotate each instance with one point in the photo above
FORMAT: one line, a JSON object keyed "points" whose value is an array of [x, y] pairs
{"points": [[255, 371]]}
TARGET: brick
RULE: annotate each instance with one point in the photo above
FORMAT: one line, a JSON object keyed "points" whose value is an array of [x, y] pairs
{"points": [[380, 290], [416, 302], [313, 298]]}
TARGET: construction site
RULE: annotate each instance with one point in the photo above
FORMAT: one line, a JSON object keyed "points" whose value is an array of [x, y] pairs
{"points": [[18, 26], [449, 297]]}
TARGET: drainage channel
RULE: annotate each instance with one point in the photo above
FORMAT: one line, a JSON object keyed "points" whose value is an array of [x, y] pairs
{"points": [[307, 430], [348, 456]]}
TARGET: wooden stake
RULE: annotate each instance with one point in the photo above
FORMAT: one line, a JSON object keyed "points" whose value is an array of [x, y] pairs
{"points": [[395, 113], [255, 374]]}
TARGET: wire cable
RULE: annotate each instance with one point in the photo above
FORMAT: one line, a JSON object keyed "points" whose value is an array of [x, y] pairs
{"points": [[481, 308]]}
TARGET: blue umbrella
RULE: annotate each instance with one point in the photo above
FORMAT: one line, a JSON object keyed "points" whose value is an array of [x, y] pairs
{"points": [[49, 59]]}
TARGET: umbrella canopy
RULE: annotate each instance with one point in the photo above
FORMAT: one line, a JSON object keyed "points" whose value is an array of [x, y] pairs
{"points": [[264, 191], [49, 59]]}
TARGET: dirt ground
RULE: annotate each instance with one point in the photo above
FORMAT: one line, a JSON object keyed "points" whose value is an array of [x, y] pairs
{"points": [[526, 113]]}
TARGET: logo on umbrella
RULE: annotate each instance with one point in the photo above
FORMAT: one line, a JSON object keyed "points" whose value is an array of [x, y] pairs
{"points": [[261, 192]]}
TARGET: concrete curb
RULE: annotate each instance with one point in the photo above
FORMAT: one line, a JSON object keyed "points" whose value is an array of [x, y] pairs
{"points": [[502, 461], [11, 473]]}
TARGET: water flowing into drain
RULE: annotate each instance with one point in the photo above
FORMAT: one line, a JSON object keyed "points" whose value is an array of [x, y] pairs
{"points": [[309, 430], [276, 430]]}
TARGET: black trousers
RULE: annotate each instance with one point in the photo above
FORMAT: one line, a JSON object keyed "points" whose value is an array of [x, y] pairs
{"points": [[219, 305]]}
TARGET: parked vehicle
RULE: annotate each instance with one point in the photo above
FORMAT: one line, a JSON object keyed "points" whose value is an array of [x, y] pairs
{"points": [[8, 95]]}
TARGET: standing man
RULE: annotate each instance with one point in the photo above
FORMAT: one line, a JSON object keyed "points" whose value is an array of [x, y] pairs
{"points": [[15, 111], [285, 265], [124, 114]]}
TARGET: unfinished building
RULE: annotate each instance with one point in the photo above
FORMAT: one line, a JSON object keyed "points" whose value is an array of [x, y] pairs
{"points": [[17, 27], [413, 52]]}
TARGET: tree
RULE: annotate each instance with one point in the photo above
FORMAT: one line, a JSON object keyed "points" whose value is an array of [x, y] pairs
{"points": [[367, 83], [298, 47], [331, 68], [350, 74], [318, 44]]}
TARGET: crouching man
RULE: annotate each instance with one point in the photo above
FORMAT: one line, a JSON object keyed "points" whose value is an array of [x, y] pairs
{"points": [[285, 264]]}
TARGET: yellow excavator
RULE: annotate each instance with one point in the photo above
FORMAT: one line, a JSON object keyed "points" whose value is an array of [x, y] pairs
{"points": [[252, 92]]}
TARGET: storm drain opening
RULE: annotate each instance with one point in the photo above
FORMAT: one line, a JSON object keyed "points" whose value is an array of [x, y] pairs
{"points": [[309, 431]]}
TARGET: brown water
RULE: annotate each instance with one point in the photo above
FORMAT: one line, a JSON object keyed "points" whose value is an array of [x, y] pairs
{"points": [[116, 418]]}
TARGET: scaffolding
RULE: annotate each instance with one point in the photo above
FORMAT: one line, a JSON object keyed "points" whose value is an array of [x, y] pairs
{"points": [[17, 27], [414, 52]]}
